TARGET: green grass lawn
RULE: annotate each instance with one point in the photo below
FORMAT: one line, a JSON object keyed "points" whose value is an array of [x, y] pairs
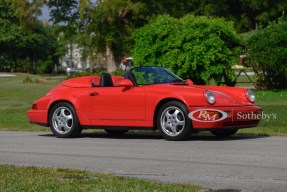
{"points": [[274, 103], [14, 178], [17, 97]]}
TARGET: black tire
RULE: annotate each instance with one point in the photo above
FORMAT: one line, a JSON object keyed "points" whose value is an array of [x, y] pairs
{"points": [[63, 121], [224, 132], [116, 132], [174, 121]]}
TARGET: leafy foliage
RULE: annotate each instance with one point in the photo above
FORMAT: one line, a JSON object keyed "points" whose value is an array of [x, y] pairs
{"points": [[33, 50], [118, 72], [65, 11], [27, 79], [26, 12], [9, 30], [268, 49], [196, 47], [80, 74], [113, 23], [247, 14]]}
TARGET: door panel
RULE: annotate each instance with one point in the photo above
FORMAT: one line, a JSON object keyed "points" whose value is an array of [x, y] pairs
{"points": [[116, 103]]}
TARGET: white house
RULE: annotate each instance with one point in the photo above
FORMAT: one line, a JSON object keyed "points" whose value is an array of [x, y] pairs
{"points": [[74, 58]]}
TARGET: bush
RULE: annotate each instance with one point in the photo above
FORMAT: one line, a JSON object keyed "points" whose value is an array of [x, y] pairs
{"points": [[118, 72], [27, 79], [197, 47], [45, 67], [80, 74], [268, 50]]}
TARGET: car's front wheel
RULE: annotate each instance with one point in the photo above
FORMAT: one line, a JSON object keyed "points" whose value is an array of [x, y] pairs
{"points": [[173, 122], [224, 133], [64, 121]]}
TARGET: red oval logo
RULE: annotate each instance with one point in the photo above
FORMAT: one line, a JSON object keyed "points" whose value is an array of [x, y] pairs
{"points": [[208, 115]]}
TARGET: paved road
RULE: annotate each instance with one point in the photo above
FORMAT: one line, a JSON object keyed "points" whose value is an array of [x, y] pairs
{"points": [[242, 163]]}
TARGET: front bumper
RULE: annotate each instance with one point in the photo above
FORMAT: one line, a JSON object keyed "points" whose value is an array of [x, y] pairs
{"points": [[38, 116], [237, 117]]}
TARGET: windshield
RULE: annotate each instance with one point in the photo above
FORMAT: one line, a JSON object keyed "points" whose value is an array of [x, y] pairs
{"points": [[153, 75]]}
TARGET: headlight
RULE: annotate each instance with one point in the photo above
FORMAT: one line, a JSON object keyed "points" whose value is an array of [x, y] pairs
{"points": [[209, 97], [250, 95]]}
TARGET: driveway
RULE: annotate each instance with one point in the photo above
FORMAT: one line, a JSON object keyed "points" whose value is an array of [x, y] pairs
{"points": [[241, 163]]}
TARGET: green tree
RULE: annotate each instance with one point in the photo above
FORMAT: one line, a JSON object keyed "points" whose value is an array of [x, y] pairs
{"points": [[153, 8], [65, 16], [113, 21], [8, 34], [64, 11], [253, 13], [268, 49], [26, 45], [247, 14], [112, 24], [26, 12], [196, 47]]}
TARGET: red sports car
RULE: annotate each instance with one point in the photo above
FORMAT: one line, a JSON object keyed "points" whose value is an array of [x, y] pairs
{"points": [[146, 98]]}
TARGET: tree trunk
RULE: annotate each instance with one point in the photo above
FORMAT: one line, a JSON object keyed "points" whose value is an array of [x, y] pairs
{"points": [[33, 59], [111, 65], [91, 63], [91, 60], [71, 50]]}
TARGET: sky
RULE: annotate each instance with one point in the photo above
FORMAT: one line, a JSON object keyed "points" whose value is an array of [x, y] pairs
{"points": [[45, 13]]}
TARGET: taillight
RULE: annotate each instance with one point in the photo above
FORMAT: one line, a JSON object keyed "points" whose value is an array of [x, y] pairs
{"points": [[34, 106]]}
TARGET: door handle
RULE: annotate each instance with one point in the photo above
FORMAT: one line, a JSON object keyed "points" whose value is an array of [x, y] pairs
{"points": [[94, 94]]}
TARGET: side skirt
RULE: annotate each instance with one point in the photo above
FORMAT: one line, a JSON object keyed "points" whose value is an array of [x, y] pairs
{"points": [[118, 128]]}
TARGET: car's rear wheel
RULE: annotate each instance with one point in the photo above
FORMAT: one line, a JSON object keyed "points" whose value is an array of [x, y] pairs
{"points": [[64, 121], [116, 132], [173, 122], [224, 133]]}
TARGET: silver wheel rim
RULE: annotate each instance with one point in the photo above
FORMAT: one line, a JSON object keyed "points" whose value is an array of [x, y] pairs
{"points": [[172, 121], [62, 120]]}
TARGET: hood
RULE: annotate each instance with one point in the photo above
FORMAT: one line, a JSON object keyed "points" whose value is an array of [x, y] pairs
{"points": [[237, 94], [194, 94]]}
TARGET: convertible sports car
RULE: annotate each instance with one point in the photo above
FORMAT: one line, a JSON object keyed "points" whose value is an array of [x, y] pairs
{"points": [[147, 98]]}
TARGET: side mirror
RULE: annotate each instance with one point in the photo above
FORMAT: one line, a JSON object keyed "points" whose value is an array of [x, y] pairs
{"points": [[126, 83], [189, 82]]}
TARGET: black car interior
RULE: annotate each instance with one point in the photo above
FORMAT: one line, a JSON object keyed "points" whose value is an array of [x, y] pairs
{"points": [[106, 80]]}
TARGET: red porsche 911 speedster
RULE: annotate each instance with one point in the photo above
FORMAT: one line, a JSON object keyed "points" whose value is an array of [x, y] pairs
{"points": [[146, 98]]}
